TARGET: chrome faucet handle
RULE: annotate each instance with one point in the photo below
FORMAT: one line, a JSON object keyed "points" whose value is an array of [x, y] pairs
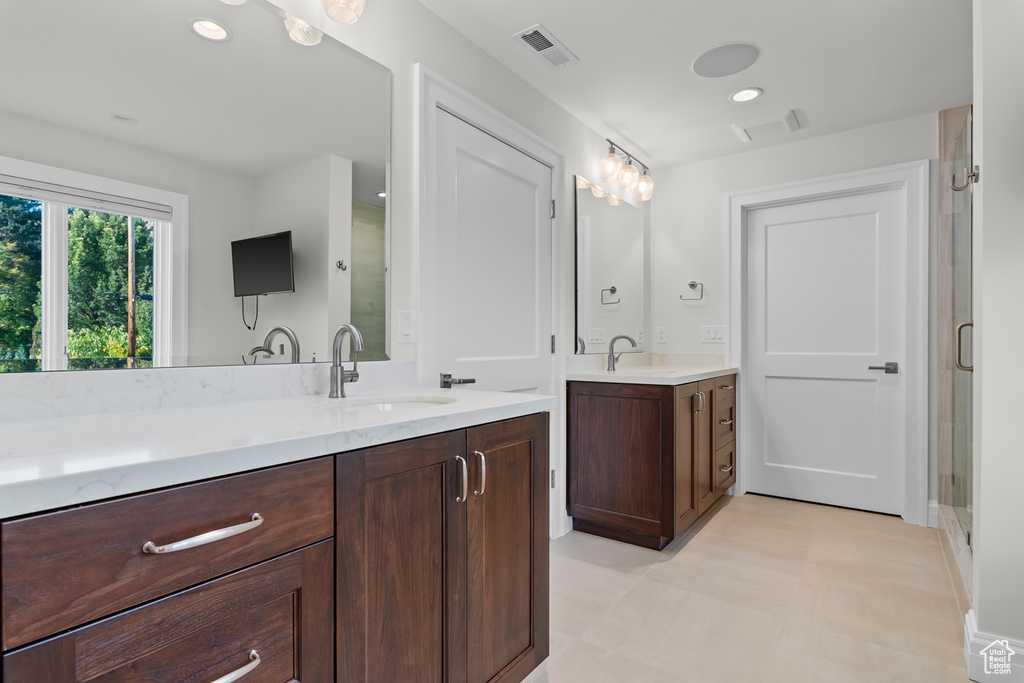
{"points": [[447, 380]]}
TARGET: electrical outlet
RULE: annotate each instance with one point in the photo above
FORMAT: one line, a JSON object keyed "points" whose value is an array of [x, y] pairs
{"points": [[712, 334], [662, 335], [639, 335]]}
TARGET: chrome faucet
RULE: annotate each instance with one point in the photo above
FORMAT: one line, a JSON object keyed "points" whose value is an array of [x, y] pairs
{"points": [[611, 349], [339, 375], [268, 350]]}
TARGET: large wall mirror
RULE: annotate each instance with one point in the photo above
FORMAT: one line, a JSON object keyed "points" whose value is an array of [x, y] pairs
{"points": [[134, 152], [610, 271]]}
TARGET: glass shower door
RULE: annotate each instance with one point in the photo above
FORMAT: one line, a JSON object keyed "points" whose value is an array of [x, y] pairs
{"points": [[963, 432]]}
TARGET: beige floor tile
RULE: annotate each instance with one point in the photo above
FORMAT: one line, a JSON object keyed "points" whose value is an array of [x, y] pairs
{"points": [[581, 592], [748, 579], [602, 552], [586, 663], [895, 616], [687, 634], [808, 653]]}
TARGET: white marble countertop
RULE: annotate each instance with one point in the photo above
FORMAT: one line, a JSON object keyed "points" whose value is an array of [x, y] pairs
{"points": [[53, 463], [649, 368]]}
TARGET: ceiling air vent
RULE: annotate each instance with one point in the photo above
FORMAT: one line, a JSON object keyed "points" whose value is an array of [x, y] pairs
{"points": [[546, 46], [770, 126]]}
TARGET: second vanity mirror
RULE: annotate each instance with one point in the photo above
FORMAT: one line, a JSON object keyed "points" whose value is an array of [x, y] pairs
{"points": [[610, 271], [252, 135]]}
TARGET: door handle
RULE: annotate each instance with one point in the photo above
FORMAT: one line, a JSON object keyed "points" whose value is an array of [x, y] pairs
{"points": [[483, 474], [447, 380], [890, 367], [958, 347]]}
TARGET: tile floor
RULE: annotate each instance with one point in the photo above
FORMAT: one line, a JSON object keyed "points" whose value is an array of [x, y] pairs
{"points": [[766, 590]]}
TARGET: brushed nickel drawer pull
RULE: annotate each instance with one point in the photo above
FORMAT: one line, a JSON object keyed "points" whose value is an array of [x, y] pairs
{"points": [[465, 480], [725, 468], [725, 422], [254, 661], [483, 474], [203, 539], [727, 386]]}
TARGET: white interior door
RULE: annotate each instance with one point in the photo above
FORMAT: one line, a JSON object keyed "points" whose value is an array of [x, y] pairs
{"points": [[494, 260], [826, 300]]}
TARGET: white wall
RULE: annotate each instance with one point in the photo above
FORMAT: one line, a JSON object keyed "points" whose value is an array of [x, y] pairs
{"points": [[998, 537], [690, 232]]}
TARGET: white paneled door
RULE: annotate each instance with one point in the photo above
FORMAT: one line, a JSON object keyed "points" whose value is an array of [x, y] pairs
{"points": [[494, 260], [826, 302]]}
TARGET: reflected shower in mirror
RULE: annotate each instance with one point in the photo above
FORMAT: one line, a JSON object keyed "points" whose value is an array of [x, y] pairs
{"points": [[133, 152], [610, 277]]}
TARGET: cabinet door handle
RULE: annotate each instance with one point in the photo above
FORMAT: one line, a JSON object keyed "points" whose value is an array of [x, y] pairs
{"points": [[483, 474], [700, 402], [727, 386], [202, 539], [465, 479], [254, 661], [725, 422], [958, 347], [725, 468], [703, 401]]}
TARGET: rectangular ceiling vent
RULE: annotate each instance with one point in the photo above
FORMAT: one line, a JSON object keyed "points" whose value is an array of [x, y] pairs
{"points": [[546, 46], [768, 127]]}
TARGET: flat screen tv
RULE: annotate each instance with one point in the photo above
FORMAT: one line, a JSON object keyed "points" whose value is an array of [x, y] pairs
{"points": [[263, 265]]}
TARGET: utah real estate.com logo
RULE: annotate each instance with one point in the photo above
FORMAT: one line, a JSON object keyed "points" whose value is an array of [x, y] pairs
{"points": [[997, 657]]}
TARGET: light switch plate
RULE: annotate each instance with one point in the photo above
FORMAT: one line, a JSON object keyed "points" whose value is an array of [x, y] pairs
{"points": [[595, 335], [639, 335], [712, 334], [405, 333]]}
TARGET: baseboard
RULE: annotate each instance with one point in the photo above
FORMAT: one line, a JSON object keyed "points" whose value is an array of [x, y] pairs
{"points": [[933, 513], [975, 642]]}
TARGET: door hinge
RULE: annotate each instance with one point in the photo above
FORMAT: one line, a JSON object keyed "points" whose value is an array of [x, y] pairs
{"points": [[552, 343], [552, 208], [552, 479]]}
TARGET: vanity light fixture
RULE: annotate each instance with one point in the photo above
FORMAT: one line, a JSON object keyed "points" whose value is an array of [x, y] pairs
{"points": [[300, 31], [630, 178], [208, 29], [597, 191], [746, 95], [344, 11], [614, 200]]}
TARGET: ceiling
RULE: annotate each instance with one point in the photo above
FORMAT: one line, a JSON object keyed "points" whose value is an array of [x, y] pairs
{"points": [[251, 105], [837, 64]]}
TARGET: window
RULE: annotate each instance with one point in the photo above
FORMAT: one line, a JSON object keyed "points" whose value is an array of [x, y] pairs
{"points": [[89, 278]]}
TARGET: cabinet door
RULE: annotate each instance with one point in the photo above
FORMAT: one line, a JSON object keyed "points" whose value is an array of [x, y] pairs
{"points": [[507, 549], [401, 562], [685, 492], [704, 461], [273, 619]]}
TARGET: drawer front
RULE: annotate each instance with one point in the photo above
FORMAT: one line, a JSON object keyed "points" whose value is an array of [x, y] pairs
{"points": [[724, 422], [272, 621], [725, 467], [64, 569], [725, 387]]}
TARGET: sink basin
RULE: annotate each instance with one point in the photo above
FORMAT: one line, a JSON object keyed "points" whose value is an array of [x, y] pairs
{"points": [[385, 403]]}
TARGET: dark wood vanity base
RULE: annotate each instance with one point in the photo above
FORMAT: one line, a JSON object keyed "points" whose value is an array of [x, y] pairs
{"points": [[646, 462]]}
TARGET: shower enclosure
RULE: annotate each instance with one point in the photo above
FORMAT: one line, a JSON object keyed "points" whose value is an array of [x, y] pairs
{"points": [[962, 185]]}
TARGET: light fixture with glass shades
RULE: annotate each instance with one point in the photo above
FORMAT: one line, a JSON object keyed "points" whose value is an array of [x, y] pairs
{"points": [[630, 178], [344, 11], [300, 31]]}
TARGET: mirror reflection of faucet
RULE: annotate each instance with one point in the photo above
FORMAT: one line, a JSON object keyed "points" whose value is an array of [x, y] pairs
{"points": [[339, 375], [266, 349]]}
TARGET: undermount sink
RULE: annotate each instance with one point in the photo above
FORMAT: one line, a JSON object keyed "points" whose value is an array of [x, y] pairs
{"points": [[386, 403]]}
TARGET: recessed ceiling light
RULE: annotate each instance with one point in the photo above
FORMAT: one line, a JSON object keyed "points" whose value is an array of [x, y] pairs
{"points": [[746, 95], [209, 29], [725, 60], [382, 194]]}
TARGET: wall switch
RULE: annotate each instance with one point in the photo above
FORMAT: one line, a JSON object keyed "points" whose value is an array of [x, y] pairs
{"points": [[639, 335], [595, 335], [405, 333], [712, 334], [662, 335]]}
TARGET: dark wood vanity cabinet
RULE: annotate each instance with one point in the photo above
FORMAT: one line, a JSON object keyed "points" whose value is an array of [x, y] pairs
{"points": [[442, 556], [645, 461]]}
